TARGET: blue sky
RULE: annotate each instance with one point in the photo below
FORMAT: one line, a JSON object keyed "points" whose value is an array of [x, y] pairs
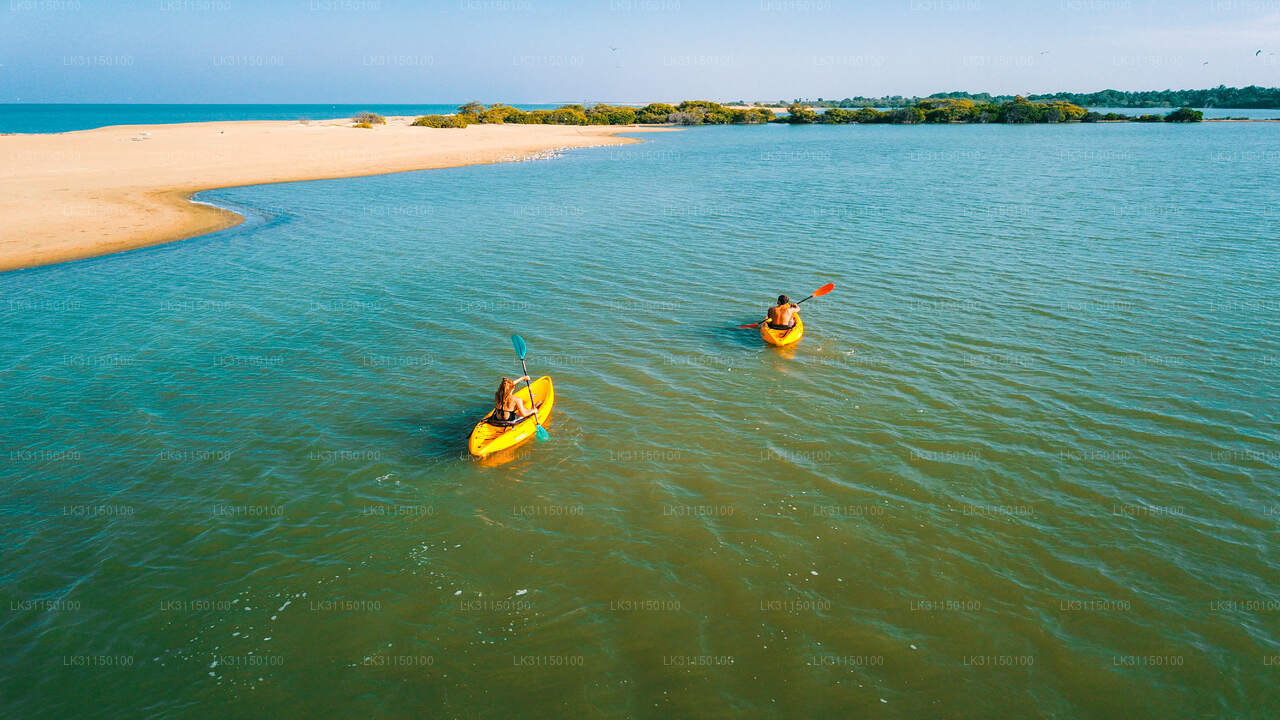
{"points": [[620, 50]]}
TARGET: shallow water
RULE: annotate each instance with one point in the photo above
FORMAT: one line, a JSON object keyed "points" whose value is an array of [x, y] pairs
{"points": [[66, 117], [1025, 456]]}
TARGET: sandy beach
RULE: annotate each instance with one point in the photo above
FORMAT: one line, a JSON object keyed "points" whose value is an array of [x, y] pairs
{"points": [[81, 194]]}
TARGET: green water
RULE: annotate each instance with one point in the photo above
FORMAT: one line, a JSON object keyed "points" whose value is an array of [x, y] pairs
{"points": [[1024, 461]]}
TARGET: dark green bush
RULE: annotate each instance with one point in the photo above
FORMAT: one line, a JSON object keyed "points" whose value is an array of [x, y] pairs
{"points": [[602, 114], [1184, 114], [753, 116], [567, 115], [655, 113]]}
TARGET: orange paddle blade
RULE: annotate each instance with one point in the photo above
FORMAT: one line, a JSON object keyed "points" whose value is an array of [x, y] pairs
{"points": [[824, 289]]}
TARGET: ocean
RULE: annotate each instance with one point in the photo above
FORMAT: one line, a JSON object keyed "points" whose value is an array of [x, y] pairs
{"points": [[67, 117], [1024, 460]]}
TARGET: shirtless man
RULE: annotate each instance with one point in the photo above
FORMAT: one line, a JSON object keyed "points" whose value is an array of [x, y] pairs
{"points": [[783, 315]]}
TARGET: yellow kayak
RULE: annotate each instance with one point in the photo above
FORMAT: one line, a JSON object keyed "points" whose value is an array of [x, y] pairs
{"points": [[486, 438], [782, 337]]}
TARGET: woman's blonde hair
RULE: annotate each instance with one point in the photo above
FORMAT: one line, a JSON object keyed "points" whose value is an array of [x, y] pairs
{"points": [[504, 391]]}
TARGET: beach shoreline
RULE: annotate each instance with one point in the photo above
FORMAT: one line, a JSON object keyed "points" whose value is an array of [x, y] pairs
{"points": [[81, 194]]}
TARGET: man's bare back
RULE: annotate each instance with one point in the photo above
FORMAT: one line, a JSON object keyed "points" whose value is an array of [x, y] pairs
{"points": [[783, 315]]}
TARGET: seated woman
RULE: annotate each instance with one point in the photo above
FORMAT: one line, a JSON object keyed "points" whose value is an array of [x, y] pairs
{"points": [[508, 407], [783, 315]]}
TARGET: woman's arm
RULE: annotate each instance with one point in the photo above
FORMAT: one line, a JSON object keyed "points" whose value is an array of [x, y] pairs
{"points": [[521, 409]]}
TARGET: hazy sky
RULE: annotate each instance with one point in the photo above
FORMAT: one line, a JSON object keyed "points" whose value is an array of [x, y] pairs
{"points": [[550, 51]]}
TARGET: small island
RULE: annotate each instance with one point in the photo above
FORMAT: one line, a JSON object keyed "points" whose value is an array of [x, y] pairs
{"points": [[1019, 110]]}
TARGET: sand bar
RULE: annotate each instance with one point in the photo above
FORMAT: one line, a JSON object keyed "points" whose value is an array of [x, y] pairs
{"points": [[80, 194]]}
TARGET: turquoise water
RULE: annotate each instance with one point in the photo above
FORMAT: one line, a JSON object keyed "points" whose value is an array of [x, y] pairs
{"points": [[1025, 456], [65, 117]]}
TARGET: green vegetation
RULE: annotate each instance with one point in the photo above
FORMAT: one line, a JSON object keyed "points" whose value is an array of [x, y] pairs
{"points": [[1109, 117], [689, 112], [655, 113], [799, 114], [1018, 110], [441, 121], [1184, 114], [368, 119], [1222, 96]]}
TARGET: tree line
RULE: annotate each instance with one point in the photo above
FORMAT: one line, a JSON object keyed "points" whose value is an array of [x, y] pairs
{"points": [[705, 112], [689, 112], [1019, 110], [1222, 96]]}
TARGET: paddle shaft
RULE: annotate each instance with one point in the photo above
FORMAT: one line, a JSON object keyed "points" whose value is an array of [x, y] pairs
{"points": [[529, 386]]}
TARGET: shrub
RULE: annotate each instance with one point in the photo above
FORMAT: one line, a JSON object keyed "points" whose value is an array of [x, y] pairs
{"points": [[800, 114], [753, 116], [945, 110], [654, 113], [904, 116], [1184, 114], [520, 117], [1063, 112], [567, 115], [496, 114], [1019, 111], [686, 117], [1148, 118], [868, 115], [368, 119], [364, 125], [836, 116], [602, 114], [441, 121], [986, 112], [713, 113]]}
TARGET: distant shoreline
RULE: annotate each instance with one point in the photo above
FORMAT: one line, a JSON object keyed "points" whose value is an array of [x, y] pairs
{"points": [[80, 194], [1250, 97]]}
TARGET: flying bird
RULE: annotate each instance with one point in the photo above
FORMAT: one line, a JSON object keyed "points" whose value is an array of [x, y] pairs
{"points": [[1257, 53], [614, 49], [1044, 52], [1206, 62]]}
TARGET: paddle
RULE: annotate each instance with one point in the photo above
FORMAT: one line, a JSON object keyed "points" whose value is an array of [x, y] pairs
{"points": [[518, 343], [816, 293]]}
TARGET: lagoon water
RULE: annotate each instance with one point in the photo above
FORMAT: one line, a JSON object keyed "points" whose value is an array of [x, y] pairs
{"points": [[1024, 460], [68, 117]]}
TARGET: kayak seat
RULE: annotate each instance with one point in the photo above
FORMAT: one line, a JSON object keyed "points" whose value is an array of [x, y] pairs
{"points": [[494, 421]]}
